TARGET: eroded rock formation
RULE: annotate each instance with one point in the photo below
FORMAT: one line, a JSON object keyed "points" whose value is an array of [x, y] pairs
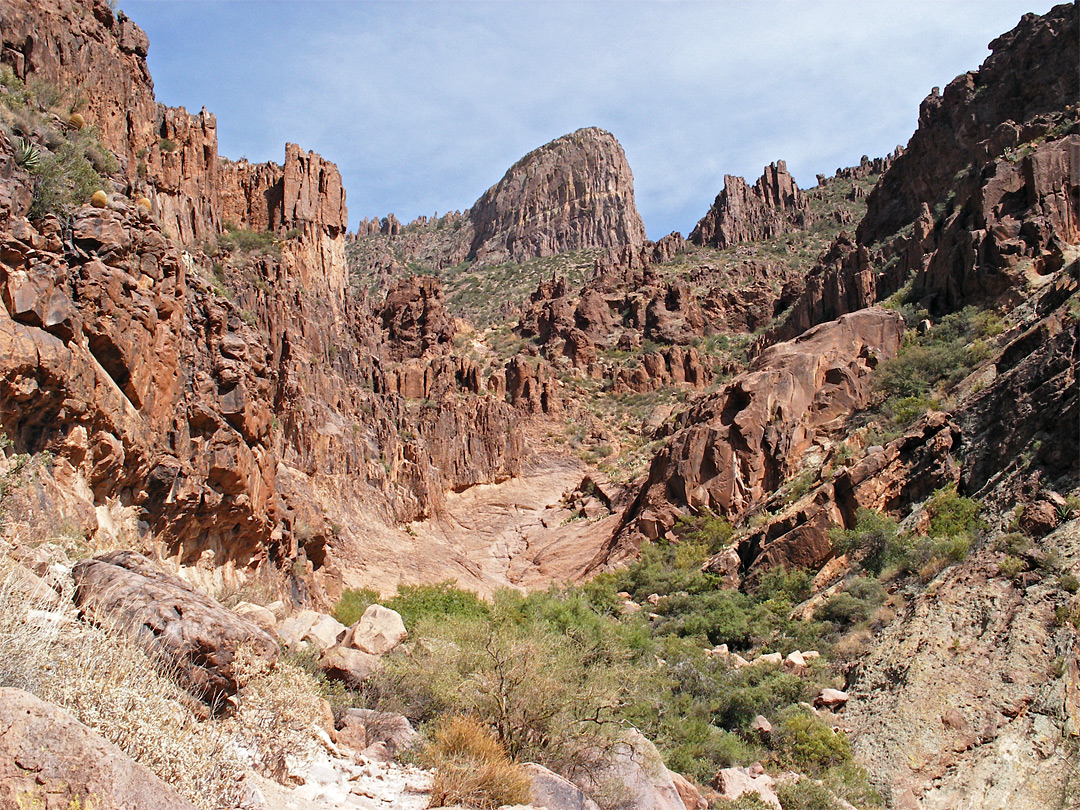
{"points": [[738, 445], [745, 213], [575, 192]]}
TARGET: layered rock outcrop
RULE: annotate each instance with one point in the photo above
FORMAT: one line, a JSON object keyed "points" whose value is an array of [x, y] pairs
{"points": [[743, 213], [233, 406], [123, 590], [575, 192], [740, 444]]}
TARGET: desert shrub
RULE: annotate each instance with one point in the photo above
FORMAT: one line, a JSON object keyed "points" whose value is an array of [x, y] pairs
{"points": [[1069, 583], [472, 767], [1011, 566], [720, 617], [62, 180], [243, 240], [805, 794], [804, 742], [352, 604], [550, 697], [934, 362], [875, 535], [713, 532], [443, 599], [855, 604], [952, 515], [789, 584], [662, 569], [756, 690], [1013, 543]]}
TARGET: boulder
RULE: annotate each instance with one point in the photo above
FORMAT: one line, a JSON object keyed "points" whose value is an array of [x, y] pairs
{"points": [[349, 665], [379, 631], [352, 733], [831, 698], [166, 616], [49, 759], [761, 725], [731, 783], [257, 613], [690, 795], [637, 768], [554, 792], [311, 627]]}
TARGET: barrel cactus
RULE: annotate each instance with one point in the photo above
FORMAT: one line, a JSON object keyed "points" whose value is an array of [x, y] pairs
{"points": [[100, 199], [144, 204], [77, 121]]}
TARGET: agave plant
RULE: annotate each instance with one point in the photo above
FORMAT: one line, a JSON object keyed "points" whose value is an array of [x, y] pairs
{"points": [[27, 155]]}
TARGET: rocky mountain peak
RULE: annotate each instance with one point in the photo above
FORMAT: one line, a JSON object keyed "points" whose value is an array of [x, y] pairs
{"points": [[575, 192], [743, 213]]}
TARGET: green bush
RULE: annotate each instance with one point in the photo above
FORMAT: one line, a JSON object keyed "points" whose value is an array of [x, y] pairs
{"points": [[855, 604], [441, 600], [875, 534], [805, 794], [1011, 566], [352, 604], [62, 180], [952, 515], [934, 362], [760, 689], [805, 743]]}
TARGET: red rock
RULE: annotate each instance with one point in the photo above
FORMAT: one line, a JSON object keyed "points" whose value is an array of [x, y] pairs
{"points": [[46, 755], [831, 699], [165, 615], [743, 213], [575, 192]]}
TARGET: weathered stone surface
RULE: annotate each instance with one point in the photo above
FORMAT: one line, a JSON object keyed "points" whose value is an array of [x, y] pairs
{"points": [[1028, 74], [166, 616], [688, 792], [415, 318], [639, 771], [741, 442], [349, 665], [731, 783], [744, 213], [575, 192], [554, 792], [257, 613], [377, 632], [831, 698], [50, 759]]}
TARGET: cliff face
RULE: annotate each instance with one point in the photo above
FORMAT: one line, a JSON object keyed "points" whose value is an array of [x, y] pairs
{"points": [[246, 409], [745, 213], [575, 192], [984, 199]]}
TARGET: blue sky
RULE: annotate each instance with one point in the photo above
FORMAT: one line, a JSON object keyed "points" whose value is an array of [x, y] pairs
{"points": [[424, 105]]}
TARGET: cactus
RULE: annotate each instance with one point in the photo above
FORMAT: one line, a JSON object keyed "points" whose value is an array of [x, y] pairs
{"points": [[144, 203], [77, 121], [27, 155], [99, 200]]}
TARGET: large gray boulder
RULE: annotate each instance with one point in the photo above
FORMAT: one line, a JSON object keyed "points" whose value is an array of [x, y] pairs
{"points": [[123, 590], [49, 759], [554, 792]]}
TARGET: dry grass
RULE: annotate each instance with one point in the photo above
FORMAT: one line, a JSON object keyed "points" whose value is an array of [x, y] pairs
{"points": [[113, 686], [472, 768]]}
